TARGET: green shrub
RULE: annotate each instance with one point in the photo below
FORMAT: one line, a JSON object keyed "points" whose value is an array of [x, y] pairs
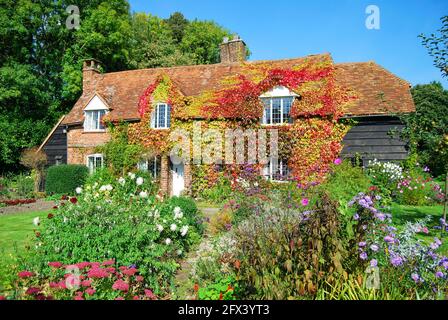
{"points": [[65, 178], [345, 182], [123, 221], [190, 210], [24, 186]]}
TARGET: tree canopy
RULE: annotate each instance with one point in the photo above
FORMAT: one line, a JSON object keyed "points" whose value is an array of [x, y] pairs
{"points": [[41, 59], [437, 45]]}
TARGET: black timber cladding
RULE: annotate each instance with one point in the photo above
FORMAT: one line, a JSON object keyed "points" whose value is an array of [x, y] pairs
{"points": [[56, 147], [375, 137]]}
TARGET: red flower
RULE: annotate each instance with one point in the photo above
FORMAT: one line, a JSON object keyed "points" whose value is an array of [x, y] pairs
{"points": [[129, 272], [25, 274], [109, 262], [237, 264], [73, 200], [90, 291], [98, 273], [54, 285], [229, 288], [150, 294], [135, 298], [86, 283], [196, 287], [55, 264], [82, 265], [50, 216], [120, 285], [2, 298], [32, 291], [55, 207], [64, 197], [220, 296]]}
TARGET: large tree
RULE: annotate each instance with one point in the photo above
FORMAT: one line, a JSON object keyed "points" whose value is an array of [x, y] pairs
{"points": [[437, 45], [427, 128]]}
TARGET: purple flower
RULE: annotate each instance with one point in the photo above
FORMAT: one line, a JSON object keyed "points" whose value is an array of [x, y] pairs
{"points": [[356, 216], [389, 239], [305, 202], [362, 244], [374, 247], [363, 256], [445, 264], [415, 277], [363, 203], [378, 197], [396, 261], [337, 161], [373, 263], [380, 216], [439, 274]]}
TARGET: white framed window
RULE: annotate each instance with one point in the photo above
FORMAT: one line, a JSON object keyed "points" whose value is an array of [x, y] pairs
{"points": [[161, 116], [153, 166], [277, 110], [92, 120], [95, 161], [277, 171], [93, 114]]}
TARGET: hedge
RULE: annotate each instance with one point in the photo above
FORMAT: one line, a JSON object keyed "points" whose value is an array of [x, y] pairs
{"points": [[64, 179]]}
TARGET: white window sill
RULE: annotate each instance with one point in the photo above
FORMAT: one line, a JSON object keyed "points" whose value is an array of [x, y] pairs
{"points": [[94, 131]]}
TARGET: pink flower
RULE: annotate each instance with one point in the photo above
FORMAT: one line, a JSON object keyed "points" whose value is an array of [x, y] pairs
{"points": [[78, 298], [98, 273], [95, 264], [54, 285], [119, 298], [86, 283], [337, 161], [62, 285], [90, 291], [2, 298], [25, 274], [130, 272], [32, 290], [150, 294], [135, 298], [55, 264], [82, 265], [108, 262], [305, 202], [139, 278], [120, 285]]}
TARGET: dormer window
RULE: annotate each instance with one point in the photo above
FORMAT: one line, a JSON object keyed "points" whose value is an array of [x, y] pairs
{"points": [[93, 114], [161, 116], [277, 106]]}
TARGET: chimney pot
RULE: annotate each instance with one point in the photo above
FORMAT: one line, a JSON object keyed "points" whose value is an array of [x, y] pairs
{"points": [[90, 75]]}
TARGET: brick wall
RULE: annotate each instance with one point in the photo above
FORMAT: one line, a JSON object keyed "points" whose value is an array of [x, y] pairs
{"points": [[80, 144]]}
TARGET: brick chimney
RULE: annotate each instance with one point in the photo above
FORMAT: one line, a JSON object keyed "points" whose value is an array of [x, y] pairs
{"points": [[233, 50], [90, 75]]}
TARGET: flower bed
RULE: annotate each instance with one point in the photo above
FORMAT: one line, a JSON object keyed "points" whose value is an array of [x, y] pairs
{"points": [[16, 202]]}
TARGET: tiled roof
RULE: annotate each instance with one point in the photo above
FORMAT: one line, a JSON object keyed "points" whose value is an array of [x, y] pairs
{"points": [[379, 91]]}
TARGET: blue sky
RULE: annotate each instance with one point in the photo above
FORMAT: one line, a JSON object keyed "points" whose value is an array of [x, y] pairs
{"points": [[277, 29]]}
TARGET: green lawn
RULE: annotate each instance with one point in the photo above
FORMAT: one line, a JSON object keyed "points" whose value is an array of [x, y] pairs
{"points": [[15, 231], [401, 214]]}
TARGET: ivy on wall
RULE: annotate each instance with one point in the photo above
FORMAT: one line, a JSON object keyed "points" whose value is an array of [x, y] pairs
{"points": [[310, 144]]}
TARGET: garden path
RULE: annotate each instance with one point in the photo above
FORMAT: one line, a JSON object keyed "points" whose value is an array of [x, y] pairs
{"points": [[184, 285]]}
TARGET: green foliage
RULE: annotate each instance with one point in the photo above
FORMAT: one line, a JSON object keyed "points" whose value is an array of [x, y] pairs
{"points": [[202, 39], [345, 182], [122, 221], [427, 128], [222, 289], [120, 156], [190, 210], [41, 59], [65, 178], [437, 46]]}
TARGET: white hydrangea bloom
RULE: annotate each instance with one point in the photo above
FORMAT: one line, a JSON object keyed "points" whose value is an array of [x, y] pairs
{"points": [[159, 227], [167, 241], [183, 231], [143, 194], [173, 227], [78, 190], [139, 181], [178, 214]]}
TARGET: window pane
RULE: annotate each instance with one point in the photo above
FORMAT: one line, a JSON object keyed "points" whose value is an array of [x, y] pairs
{"points": [[99, 162], [168, 120], [91, 163], [276, 110], [95, 120], [287, 103], [161, 111], [101, 115]]}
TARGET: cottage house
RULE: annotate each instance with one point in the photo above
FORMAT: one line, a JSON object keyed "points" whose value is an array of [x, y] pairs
{"points": [[381, 98]]}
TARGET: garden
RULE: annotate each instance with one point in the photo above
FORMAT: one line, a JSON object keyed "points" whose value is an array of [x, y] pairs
{"points": [[362, 233]]}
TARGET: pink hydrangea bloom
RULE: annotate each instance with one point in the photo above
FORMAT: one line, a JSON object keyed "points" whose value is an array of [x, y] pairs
{"points": [[55, 264], [97, 273], [25, 274]]}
